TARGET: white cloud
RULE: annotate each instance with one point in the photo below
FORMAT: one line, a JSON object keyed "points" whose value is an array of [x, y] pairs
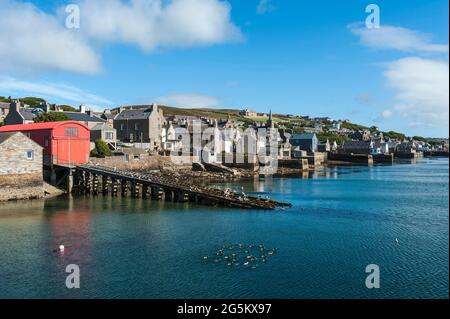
{"points": [[189, 100], [397, 38], [422, 90], [265, 6], [31, 39], [151, 25], [66, 93]]}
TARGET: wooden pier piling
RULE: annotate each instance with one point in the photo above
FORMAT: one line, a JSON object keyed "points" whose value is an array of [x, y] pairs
{"points": [[163, 187]]}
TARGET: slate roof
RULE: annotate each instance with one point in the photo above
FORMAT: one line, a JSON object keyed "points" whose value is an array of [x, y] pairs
{"points": [[141, 114], [108, 116], [102, 126], [83, 117], [30, 113]]}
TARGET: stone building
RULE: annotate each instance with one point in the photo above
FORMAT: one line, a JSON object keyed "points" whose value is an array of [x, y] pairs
{"points": [[21, 168], [26, 115], [306, 141], [143, 126], [248, 113], [21, 115], [4, 110]]}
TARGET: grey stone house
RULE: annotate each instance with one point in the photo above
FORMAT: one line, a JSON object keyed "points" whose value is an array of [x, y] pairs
{"points": [[21, 168], [306, 141], [26, 115], [21, 115], [141, 126], [4, 110]]}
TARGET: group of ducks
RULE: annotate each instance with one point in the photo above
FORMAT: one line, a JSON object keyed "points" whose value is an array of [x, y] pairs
{"points": [[245, 256]]}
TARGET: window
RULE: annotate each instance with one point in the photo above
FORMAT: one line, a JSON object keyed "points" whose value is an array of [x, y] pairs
{"points": [[30, 155], [109, 135], [71, 131], [136, 126], [46, 142], [122, 127]]}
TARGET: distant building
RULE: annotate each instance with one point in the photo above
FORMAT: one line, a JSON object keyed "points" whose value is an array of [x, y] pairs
{"points": [[132, 154], [26, 115], [107, 116], [105, 132], [297, 152], [392, 145], [361, 147], [248, 113], [325, 147], [171, 141], [64, 143], [142, 126], [21, 171], [336, 125], [362, 135], [306, 141], [85, 116], [405, 147], [4, 110], [21, 115]]}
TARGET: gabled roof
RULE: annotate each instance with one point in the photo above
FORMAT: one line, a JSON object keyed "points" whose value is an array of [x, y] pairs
{"points": [[108, 116], [30, 113], [140, 114], [5, 136], [38, 126], [102, 126]]}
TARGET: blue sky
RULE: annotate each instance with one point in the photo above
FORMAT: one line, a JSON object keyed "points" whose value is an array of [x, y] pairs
{"points": [[302, 57]]}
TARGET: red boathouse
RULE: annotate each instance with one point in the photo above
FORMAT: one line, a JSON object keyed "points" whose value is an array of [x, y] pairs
{"points": [[64, 143]]}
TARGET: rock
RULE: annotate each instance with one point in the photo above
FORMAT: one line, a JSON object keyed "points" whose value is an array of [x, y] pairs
{"points": [[198, 167]]}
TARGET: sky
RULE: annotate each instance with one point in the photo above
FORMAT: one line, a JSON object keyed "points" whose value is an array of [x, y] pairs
{"points": [[316, 58]]}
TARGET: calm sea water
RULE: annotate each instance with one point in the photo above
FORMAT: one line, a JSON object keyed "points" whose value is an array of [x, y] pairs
{"points": [[343, 219]]}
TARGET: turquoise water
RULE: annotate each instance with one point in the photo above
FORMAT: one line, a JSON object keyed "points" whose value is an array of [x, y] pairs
{"points": [[343, 219]]}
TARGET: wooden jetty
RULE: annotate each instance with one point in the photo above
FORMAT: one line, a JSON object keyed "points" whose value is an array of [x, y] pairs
{"points": [[104, 180]]}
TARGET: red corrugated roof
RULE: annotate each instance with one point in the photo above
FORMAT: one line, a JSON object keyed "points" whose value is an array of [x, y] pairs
{"points": [[37, 126]]}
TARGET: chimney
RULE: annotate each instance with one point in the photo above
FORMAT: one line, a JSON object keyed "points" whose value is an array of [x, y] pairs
{"points": [[45, 106], [121, 109], [90, 112], [155, 108], [82, 108], [14, 106]]}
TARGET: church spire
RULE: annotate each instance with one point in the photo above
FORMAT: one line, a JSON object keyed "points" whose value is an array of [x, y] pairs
{"points": [[270, 122]]}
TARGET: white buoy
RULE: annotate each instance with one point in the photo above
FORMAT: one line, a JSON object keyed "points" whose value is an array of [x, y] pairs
{"points": [[61, 247], [396, 240]]}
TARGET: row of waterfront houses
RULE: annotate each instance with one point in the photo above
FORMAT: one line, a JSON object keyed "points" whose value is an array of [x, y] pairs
{"points": [[146, 127]]}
